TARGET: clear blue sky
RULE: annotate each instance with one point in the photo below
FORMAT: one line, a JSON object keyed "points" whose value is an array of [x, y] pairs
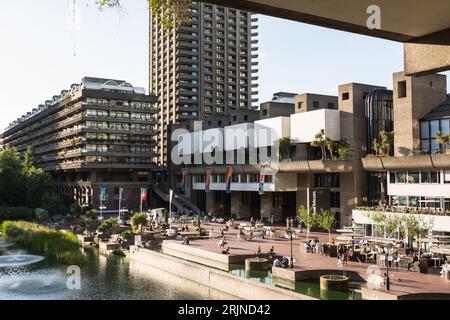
{"points": [[37, 61]]}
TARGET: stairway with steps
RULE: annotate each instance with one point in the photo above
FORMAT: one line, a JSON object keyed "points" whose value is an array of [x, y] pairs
{"points": [[179, 202]]}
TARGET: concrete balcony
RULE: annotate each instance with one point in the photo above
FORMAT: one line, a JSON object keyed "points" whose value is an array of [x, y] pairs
{"points": [[439, 222], [419, 162], [319, 166]]}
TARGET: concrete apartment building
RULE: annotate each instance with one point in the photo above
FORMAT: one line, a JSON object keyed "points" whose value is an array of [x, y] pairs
{"points": [[99, 133], [204, 71]]}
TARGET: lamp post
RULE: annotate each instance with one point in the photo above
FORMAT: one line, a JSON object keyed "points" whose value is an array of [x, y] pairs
{"points": [[386, 280], [290, 225]]}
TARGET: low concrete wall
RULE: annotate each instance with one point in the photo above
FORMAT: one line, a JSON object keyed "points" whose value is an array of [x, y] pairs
{"points": [[299, 275], [216, 279], [205, 257]]}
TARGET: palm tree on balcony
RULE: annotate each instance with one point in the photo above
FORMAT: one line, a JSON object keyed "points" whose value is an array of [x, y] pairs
{"points": [[443, 140], [331, 147], [320, 142]]}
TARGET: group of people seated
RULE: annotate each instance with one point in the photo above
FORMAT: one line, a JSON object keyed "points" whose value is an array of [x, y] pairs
{"points": [[285, 262]]}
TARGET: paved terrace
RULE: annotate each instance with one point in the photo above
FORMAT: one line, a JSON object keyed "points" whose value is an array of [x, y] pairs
{"points": [[402, 282]]}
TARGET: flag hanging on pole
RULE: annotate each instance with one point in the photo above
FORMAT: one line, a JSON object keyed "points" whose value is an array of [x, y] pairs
{"points": [[262, 178], [143, 194], [208, 179], [120, 195], [229, 175], [183, 180], [103, 193]]}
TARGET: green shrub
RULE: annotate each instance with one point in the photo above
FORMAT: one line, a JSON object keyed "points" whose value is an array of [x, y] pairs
{"points": [[41, 214], [126, 235], [16, 213], [38, 239], [108, 224], [53, 203], [75, 210], [93, 214], [138, 219]]}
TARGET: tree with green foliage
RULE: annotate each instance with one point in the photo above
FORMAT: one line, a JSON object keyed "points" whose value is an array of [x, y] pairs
{"points": [[307, 218], [326, 219], [172, 13], [384, 146], [53, 203], [41, 214], [344, 150], [12, 182], [416, 227], [75, 210], [284, 148], [29, 159]]}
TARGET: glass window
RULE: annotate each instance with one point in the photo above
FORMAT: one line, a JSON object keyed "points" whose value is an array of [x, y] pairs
{"points": [[446, 176], [425, 129], [400, 177], [402, 201], [414, 202], [435, 147], [425, 145], [434, 125], [435, 177], [413, 177], [445, 126], [392, 177], [425, 177]]}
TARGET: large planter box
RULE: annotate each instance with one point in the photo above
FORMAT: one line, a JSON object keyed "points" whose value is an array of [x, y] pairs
{"points": [[423, 265]]}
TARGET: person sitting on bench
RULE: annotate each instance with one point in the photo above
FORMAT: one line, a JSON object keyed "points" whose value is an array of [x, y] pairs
{"points": [[284, 262]]}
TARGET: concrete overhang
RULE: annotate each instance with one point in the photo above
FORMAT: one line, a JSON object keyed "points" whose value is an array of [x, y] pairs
{"points": [[417, 163], [423, 25]]}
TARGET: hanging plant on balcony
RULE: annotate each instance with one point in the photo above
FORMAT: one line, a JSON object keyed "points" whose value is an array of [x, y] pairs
{"points": [[172, 13]]}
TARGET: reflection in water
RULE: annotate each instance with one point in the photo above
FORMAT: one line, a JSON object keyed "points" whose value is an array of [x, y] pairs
{"points": [[4, 244], [310, 288]]}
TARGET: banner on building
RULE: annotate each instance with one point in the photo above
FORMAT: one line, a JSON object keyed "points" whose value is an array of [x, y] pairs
{"points": [[228, 177], [208, 179]]}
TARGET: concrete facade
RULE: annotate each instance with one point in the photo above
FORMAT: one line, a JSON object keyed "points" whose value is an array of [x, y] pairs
{"points": [[414, 97]]}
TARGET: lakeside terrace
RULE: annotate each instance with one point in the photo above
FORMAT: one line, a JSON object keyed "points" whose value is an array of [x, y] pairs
{"points": [[404, 284]]}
